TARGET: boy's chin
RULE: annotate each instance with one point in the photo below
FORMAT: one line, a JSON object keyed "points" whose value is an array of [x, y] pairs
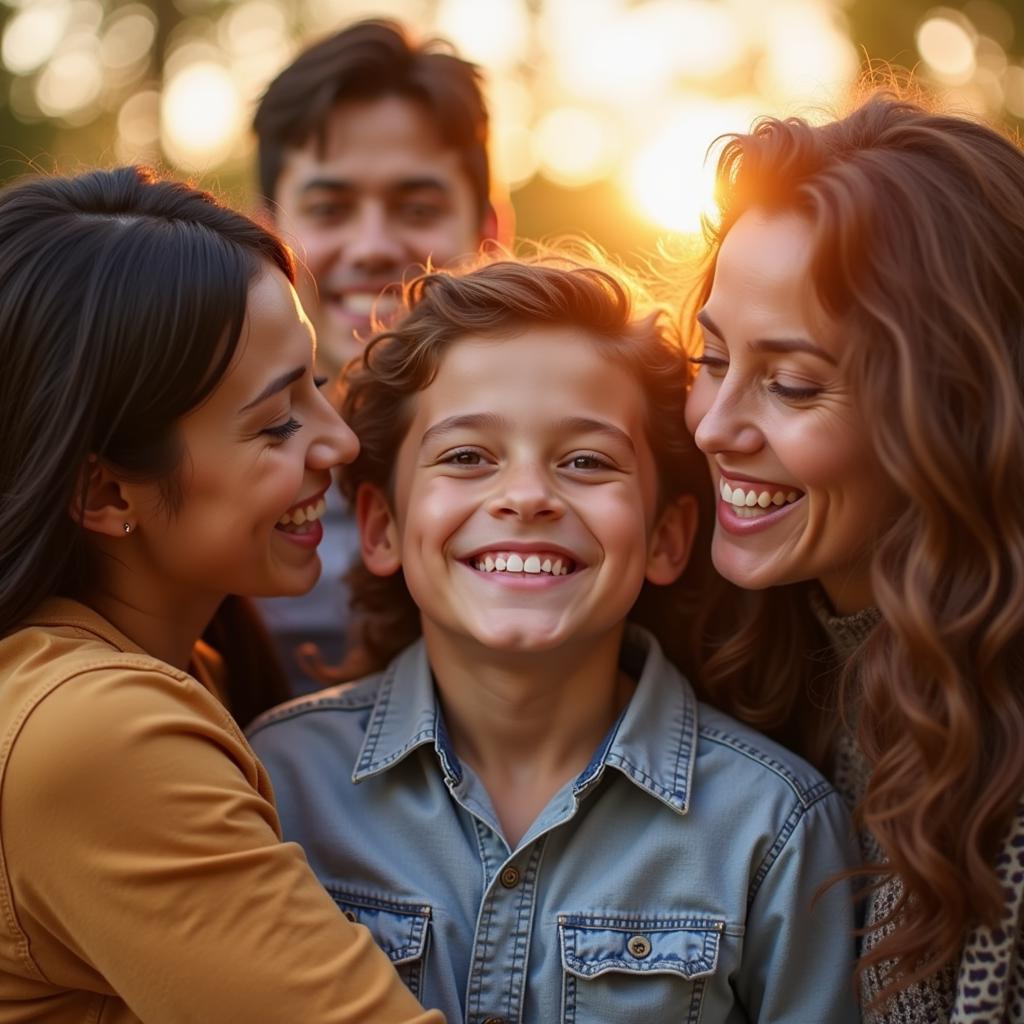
{"points": [[519, 637]]}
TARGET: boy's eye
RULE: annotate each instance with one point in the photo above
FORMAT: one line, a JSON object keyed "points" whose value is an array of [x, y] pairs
{"points": [[588, 462], [283, 431], [319, 382], [464, 457]]}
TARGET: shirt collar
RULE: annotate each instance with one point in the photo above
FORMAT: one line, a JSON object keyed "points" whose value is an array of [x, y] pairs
{"points": [[57, 612], [653, 743]]}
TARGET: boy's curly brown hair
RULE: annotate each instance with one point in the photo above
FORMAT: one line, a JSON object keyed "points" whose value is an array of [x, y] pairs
{"points": [[500, 299]]}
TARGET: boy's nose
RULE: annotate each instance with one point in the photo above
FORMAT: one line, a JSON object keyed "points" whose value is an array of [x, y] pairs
{"points": [[526, 493]]}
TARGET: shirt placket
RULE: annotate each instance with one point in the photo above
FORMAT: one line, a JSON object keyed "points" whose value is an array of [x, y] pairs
{"points": [[501, 944], [499, 958]]}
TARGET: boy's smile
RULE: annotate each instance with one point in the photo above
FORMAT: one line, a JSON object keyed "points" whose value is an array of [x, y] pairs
{"points": [[524, 496]]}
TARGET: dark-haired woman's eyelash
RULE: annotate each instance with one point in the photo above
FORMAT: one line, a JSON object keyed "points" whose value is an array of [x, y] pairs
{"points": [[319, 382], [284, 430], [792, 394]]}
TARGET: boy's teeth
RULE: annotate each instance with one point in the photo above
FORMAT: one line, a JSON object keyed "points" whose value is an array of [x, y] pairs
{"points": [[304, 514], [534, 565], [741, 499]]}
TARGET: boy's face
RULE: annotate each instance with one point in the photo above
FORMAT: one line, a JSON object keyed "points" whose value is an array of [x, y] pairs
{"points": [[384, 195], [525, 501]]}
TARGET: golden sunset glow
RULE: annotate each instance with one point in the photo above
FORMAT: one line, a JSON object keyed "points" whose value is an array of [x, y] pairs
{"points": [[582, 92]]}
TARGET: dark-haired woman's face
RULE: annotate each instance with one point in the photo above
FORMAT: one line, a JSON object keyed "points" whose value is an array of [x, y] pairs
{"points": [[801, 494], [258, 456]]}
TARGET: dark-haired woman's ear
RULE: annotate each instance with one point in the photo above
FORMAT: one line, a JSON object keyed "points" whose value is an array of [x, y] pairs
{"points": [[101, 504], [668, 550], [378, 532]]}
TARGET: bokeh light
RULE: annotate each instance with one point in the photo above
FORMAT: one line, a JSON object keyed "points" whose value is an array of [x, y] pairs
{"points": [[494, 34], [33, 34], [945, 42], [200, 115], [671, 181], [573, 146], [612, 98]]}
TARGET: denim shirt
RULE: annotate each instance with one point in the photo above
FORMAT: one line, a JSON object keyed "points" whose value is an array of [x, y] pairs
{"points": [[672, 881]]}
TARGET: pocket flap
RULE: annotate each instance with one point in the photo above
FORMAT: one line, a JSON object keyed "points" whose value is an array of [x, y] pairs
{"points": [[592, 946], [400, 929]]}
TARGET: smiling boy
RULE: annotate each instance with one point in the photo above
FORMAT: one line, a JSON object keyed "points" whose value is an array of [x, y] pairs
{"points": [[527, 806]]}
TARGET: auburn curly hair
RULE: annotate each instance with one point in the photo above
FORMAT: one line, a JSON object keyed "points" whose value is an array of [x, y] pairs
{"points": [[499, 299], [918, 254]]}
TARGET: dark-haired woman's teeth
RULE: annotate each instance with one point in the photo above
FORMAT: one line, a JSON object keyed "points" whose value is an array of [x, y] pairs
{"points": [[751, 502], [301, 519], [531, 565]]}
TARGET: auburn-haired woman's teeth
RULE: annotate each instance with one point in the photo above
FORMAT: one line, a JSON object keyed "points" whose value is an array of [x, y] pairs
{"points": [[742, 500], [532, 565]]}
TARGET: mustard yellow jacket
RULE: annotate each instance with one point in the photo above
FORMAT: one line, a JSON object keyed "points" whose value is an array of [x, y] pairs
{"points": [[142, 876]]}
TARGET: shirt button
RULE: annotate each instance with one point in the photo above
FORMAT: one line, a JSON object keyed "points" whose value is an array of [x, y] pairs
{"points": [[639, 946], [510, 879]]}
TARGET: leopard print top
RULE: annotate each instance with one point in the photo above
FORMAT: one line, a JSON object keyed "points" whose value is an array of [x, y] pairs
{"points": [[987, 985]]}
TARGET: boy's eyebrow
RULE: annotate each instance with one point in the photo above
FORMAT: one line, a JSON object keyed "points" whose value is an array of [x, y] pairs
{"points": [[467, 421], [277, 384], [770, 344], [491, 421], [587, 425]]}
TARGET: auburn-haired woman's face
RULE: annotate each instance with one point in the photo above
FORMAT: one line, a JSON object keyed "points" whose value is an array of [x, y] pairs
{"points": [[258, 456], [801, 495]]}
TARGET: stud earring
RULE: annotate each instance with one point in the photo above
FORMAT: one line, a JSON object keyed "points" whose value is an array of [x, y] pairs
{"points": [[127, 527]]}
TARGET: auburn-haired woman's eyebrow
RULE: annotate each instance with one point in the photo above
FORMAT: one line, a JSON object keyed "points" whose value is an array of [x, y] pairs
{"points": [[770, 344]]}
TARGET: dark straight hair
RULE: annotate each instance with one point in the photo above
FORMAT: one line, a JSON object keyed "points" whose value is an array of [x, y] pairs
{"points": [[372, 60], [122, 299]]}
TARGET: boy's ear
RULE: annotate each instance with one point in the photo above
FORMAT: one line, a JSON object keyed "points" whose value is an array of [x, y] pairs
{"points": [[103, 503], [378, 532], [671, 540]]}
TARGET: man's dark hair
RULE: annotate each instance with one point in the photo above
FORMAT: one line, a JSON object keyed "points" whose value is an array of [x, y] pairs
{"points": [[367, 61]]}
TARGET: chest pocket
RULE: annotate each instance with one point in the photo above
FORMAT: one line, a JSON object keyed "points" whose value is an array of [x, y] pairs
{"points": [[618, 970], [399, 928]]}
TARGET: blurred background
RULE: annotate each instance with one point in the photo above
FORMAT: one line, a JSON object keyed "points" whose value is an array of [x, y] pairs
{"points": [[602, 110]]}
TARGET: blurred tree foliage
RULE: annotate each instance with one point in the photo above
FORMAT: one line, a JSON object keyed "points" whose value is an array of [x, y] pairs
{"points": [[882, 30]]}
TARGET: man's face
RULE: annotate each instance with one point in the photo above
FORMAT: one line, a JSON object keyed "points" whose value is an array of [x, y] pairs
{"points": [[382, 198]]}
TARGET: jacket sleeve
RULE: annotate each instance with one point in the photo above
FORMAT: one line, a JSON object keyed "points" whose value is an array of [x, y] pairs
{"points": [[799, 952], [138, 845]]}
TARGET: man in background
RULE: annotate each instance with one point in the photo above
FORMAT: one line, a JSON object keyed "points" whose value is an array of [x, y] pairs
{"points": [[372, 160]]}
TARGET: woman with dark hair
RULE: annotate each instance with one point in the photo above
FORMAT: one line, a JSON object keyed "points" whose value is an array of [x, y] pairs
{"points": [[860, 398], [162, 445]]}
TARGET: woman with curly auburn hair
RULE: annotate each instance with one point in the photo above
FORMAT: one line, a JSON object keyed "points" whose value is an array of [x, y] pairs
{"points": [[860, 399]]}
